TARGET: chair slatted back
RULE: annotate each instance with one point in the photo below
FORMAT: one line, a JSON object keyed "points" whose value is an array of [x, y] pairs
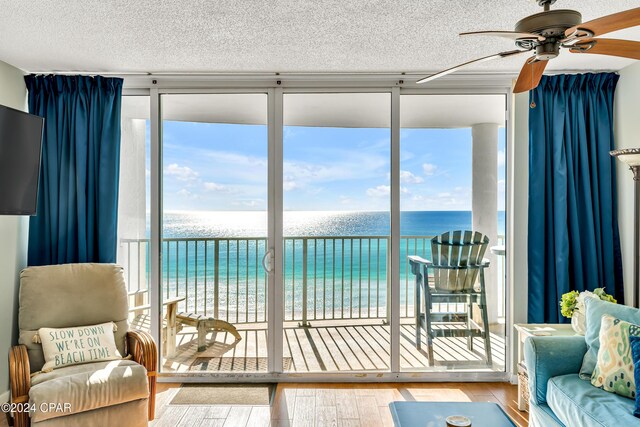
{"points": [[457, 259]]}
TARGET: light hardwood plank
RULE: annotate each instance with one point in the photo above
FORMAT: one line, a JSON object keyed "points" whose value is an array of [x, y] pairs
{"points": [[326, 416], [260, 416], [304, 414], [238, 416], [171, 416], [368, 410], [211, 422], [346, 404]]}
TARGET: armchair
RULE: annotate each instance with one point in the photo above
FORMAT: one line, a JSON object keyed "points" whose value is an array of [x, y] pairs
{"points": [[116, 392]]}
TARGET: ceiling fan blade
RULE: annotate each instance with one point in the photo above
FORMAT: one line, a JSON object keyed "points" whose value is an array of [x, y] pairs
{"points": [[530, 75], [607, 24], [479, 60], [611, 47], [514, 35]]}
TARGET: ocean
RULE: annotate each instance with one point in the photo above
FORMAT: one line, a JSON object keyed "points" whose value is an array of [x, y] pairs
{"points": [[335, 261], [322, 223]]}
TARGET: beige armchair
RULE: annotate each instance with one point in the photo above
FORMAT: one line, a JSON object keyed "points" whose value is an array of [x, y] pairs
{"points": [[117, 392]]}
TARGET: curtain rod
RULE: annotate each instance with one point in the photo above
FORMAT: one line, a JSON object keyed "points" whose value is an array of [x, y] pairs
{"points": [[272, 75]]}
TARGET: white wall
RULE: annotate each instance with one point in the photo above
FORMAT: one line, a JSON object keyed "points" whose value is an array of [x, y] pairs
{"points": [[518, 210], [484, 200], [132, 200], [13, 239], [627, 135]]}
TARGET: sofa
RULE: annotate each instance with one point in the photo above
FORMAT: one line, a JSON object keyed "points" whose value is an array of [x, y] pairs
{"points": [[558, 397]]}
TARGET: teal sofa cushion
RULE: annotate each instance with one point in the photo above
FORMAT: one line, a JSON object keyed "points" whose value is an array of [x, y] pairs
{"points": [[635, 352], [576, 402], [542, 416], [595, 309]]}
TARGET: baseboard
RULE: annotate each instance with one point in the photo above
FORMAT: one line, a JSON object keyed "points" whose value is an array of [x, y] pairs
{"points": [[4, 397]]}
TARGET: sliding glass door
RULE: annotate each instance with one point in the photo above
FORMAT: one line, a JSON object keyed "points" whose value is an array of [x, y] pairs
{"points": [[452, 178], [288, 222], [336, 232], [214, 223]]}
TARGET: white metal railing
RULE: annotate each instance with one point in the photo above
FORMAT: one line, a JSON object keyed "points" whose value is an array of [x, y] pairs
{"points": [[325, 277]]}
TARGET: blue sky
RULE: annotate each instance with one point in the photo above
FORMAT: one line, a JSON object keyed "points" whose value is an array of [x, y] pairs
{"points": [[224, 167]]}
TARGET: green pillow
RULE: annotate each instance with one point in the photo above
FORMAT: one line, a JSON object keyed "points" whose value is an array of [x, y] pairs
{"points": [[614, 370]]}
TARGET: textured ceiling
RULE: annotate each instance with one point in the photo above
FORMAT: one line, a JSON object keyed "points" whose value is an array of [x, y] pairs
{"points": [[275, 36]]}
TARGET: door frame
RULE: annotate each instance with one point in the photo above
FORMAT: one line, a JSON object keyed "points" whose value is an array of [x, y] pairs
{"points": [[155, 87]]}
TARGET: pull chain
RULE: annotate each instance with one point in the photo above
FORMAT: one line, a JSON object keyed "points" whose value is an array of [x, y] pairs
{"points": [[533, 103]]}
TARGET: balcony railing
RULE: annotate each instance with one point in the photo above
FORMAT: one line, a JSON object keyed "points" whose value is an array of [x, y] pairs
{"points": [[325, 278]]}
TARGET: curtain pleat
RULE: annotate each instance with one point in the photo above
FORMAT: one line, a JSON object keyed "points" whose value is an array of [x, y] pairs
{"points": [[76, 218], [573, 237]]}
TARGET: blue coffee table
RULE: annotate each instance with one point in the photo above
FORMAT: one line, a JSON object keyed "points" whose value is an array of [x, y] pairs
{"points": [[434, 414]]}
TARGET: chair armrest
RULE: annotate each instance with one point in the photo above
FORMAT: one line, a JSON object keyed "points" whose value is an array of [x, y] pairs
{"points": [[416, 261], [485, 262], [547, 357], [144, 351], [20, 378]]}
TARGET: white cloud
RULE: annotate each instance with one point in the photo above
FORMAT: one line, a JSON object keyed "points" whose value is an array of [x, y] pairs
{"points": [[383, 191], [214, 187], [502, 158], [429, 168], [349, 165], [187, 194], [458, 198], [379, 191], [224, 157], [250, 203], [406, 177], [182, 173], [345, 200], [289, 184]]}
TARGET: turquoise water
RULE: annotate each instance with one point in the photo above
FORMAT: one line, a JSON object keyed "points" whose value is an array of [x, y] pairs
{"points": [[345, 255], [252, 224]]}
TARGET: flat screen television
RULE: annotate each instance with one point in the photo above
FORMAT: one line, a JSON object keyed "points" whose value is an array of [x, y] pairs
{"points": [[20, 152]]}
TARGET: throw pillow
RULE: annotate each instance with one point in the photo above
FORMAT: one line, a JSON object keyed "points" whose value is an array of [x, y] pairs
{"points": [[635, 353], [614, 371], [73, 346], [595, 309]]}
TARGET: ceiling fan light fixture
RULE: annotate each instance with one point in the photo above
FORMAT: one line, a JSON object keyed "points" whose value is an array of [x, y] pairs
{"points": [[547, 51]]}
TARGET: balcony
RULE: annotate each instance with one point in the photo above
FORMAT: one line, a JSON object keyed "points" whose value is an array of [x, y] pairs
{"points": [[335, 304]]}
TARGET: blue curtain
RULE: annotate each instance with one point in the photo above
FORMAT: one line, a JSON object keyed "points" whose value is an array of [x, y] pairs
{"points": [[573, 228], [76, 218]]}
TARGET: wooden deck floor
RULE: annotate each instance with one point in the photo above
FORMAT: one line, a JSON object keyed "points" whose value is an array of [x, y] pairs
{"points": [[357, 405], [330, 347]]}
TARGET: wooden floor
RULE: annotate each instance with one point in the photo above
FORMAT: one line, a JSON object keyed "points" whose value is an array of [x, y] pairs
{"points": [[336, 346], [365, 405], [350, 405]]}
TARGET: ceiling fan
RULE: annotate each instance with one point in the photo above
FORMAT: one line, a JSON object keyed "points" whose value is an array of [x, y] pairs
{"points": [[547, 32]]}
